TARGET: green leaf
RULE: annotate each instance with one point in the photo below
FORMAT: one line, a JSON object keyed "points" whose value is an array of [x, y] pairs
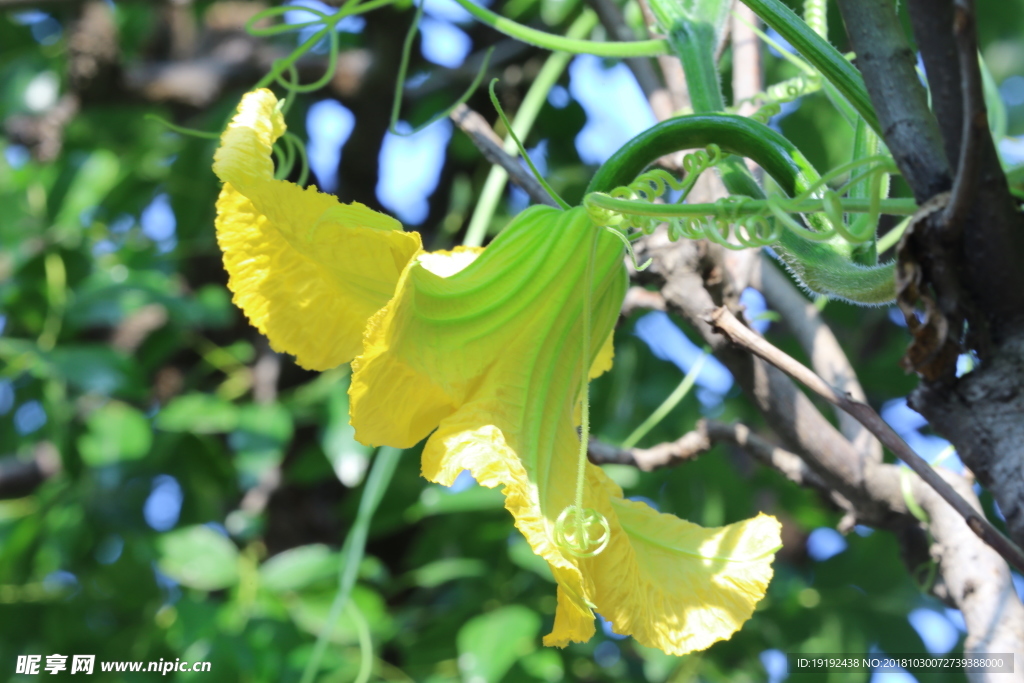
{"points": [[310, 611], [95, 178], [442, 571], [116, 432], [436, 500], [94, 369], [522, 555], [199, 414], [299, 567], [491, 643], [199, 557], [545, 664]]}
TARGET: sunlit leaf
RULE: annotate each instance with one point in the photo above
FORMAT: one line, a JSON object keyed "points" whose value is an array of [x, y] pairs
{"points": [[116, 432], [199, 557], [491, 643]]}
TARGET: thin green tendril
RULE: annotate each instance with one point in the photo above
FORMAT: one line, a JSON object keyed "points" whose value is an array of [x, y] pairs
{"points": [[573, 531], [629, 250], [522, 151], [403, 67], [677, 395], [303, 158], [192, 132], [329, 23], [549, 41]]}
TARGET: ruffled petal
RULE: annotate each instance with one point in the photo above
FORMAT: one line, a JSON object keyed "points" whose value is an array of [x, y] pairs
{"points": [[307, 270], [672, 584], [491, 357]]}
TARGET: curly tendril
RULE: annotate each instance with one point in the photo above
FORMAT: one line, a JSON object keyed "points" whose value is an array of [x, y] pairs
{"points": [[765, 113], [651, 186], [403, 68], [574, 531], [739, 222]]}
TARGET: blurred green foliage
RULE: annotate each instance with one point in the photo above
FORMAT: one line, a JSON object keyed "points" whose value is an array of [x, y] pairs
{"points": [[200, 506]]}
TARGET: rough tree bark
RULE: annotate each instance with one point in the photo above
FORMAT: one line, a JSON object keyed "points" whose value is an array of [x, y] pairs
{"points": [[970, 254]]}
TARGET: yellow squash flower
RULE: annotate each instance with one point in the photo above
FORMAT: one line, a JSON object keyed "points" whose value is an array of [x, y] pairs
{"points": [[483, 352]]}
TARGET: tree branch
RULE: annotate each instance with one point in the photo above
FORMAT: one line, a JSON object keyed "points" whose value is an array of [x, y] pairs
{"points": [[909, 128], [974, 578], [817, 340], [974, 121], [932, 21], [702, 439], [870, 492], [487, 141], [726, 323], [746, 60]]}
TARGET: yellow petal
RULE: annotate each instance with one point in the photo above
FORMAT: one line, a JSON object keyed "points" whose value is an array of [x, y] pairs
{"points": [[672, 584], [603, 362], [307, 270], [490, 353]]}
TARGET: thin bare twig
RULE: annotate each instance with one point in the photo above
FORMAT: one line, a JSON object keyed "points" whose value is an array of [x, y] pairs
{"points": [[705, 434], [685, 448], [487, 141], [726, 323], [819, 343]]}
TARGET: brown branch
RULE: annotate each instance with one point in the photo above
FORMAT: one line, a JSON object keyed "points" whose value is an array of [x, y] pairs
{"points": [[911, 131], [746, 60], [703, 438], [687, 447], [689, 271], [690, 275], [490, 145], [817, 340], [975, 120], [726, 323], [932, 21], [973, 577]]}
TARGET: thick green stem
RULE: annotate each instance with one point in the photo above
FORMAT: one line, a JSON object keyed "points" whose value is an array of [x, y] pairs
{"points": [[823, 267], [816, 50], [890, 207], [695, 42], [866, 143], [694, 29]]}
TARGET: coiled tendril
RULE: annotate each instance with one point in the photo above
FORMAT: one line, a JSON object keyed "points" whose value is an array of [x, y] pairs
{"points": [[649, 187], [738, 222], [575, 531]]}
